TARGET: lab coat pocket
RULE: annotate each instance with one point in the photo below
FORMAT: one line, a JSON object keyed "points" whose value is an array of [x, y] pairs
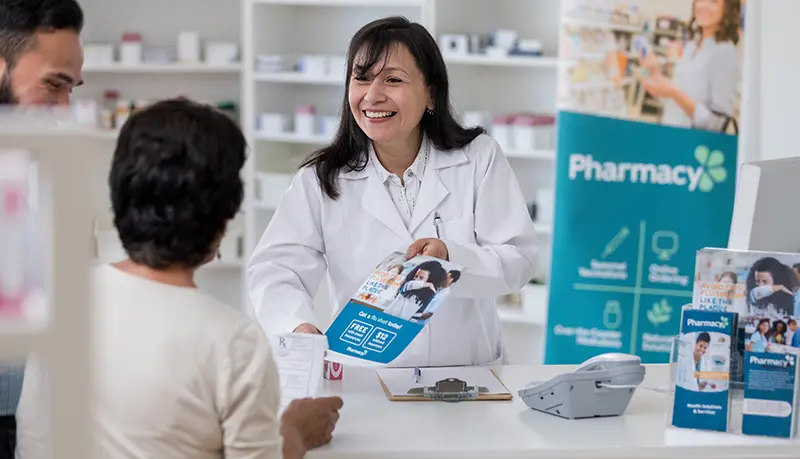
{"points": [[459, 230]]}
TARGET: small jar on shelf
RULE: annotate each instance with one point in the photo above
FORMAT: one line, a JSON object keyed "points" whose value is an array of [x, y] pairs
{"points": [[130, 51], [304, 118]]}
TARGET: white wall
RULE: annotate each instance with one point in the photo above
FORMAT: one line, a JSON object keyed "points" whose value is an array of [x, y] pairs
{"points": [[777, 116]]}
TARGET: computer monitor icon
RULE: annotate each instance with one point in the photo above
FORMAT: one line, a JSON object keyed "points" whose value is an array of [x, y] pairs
{"points": [[665, 244]]}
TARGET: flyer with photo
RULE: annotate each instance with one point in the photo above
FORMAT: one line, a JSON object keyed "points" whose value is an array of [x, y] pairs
{"points": [[702, 381], [390, 308], [762, 287]]}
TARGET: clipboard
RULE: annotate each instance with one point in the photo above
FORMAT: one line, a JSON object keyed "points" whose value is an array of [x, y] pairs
{"points": [[448, 384]]}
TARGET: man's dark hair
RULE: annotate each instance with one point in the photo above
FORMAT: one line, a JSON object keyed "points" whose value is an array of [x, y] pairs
{"points": [[455, 274], [703, 336], [20, 20], [175, 182]]}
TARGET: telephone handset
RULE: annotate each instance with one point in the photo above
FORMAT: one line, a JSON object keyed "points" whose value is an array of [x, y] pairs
{"points": [[601, 386]]}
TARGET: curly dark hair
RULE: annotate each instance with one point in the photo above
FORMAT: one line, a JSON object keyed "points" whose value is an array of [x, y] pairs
{"points": [[175, 182], [730, 26], [781, 275]]}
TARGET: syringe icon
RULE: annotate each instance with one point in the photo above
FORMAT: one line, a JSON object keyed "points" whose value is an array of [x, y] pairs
{"points": [[614, 244]]}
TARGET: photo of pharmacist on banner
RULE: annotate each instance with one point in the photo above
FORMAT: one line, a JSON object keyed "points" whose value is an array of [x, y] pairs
{"points": [[409, 289], [670, 62], [703, 362], [777, 336]]}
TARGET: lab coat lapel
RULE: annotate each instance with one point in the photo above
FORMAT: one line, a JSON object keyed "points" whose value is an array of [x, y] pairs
{"points": [[431, 193], [378, 203], [433, 190]]}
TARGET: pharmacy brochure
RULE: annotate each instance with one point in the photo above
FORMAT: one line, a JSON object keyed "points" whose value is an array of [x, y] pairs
{"points": [[762, 287], [770, 395], [390, 309], [702, 389]]}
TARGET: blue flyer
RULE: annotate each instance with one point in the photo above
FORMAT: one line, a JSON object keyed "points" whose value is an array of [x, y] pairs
{"points": [[702, 380], [770, 394], [390, 308]]}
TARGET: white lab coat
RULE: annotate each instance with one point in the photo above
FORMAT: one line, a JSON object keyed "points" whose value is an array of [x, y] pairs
{"points": [[484, 223], [686, 373]]}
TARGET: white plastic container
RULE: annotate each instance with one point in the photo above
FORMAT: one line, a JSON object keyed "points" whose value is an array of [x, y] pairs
{"points": [[304, 118], [328, 125], [221, 52], [524, 134], [130, 51], [501, 131], [313, 65], [272, 123], [98, 54], [270, 188], [189, 47]]}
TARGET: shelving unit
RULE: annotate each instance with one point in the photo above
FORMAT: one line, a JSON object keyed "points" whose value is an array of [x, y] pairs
{"points": [[291, 28], [213, 20]]}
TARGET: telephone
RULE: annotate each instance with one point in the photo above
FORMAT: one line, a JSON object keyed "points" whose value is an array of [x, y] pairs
{"points": [[600, 386]]}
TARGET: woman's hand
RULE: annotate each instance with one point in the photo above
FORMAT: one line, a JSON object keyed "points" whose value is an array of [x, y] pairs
{"points": [[431, 247], [307, 328], [781, 288], [659, 86], [651, 64]]}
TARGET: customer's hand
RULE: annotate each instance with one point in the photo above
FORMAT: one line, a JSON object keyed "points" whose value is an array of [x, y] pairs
{"points": [[307, 328], [309, 423], [431, 247]]}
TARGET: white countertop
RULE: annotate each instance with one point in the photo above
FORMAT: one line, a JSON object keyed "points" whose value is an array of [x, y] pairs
{"points": [[373, 427]]}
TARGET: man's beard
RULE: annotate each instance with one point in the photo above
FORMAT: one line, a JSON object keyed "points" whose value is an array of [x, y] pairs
{"points": [[7, 96]]}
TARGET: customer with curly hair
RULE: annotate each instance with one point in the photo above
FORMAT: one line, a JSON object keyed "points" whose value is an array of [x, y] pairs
{"points": [[177, 373]]}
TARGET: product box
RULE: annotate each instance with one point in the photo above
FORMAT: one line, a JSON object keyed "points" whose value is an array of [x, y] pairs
{"points": [[390, 309], [702, 380], [770, 394]]}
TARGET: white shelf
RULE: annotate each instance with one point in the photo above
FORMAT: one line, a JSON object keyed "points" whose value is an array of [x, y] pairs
{"points": [[297, 77], [290, 137], [592, 24], [163, 68], [341, 2], [530, 154], [504, 61]]}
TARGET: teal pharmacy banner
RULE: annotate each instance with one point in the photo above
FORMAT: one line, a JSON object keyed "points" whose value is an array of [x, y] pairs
{"points": [[634, 202], [646, 168]]}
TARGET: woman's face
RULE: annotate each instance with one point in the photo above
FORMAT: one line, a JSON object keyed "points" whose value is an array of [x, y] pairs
{"points": [[389, 100], [780, 327], [709, 13], [700, 348], [764, 278], [422, 275], [763, 327], [726, 280]]}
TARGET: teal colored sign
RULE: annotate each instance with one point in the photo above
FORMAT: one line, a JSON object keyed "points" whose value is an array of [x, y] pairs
{"points": [[633, 203]]}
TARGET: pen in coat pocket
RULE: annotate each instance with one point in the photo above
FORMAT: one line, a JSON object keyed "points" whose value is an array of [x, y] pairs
{"points": [[437, 221]]}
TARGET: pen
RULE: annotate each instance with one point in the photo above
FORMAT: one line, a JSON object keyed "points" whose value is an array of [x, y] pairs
{"points": [[417, 374], [437, 219]]}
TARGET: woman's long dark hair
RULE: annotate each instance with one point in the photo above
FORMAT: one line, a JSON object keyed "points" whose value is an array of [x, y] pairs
{"points": [[374, 41], [437, 275]]}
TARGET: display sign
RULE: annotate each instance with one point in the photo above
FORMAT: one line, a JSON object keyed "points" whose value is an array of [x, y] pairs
{"points": [[646, 169]]}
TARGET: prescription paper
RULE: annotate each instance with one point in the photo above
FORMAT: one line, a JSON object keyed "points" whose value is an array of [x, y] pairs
{"points": [[299, 357]]}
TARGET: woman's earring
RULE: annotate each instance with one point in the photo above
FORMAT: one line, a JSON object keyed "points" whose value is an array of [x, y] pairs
{"points": [[429, 111], [219, 256]]}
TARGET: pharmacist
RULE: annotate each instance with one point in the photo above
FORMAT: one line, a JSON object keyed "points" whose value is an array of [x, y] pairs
{"points": [[401, 174], [704, 91]]}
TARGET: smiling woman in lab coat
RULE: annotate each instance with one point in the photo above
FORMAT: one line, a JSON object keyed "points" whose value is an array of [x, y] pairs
{"points": [[401, 174]]}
